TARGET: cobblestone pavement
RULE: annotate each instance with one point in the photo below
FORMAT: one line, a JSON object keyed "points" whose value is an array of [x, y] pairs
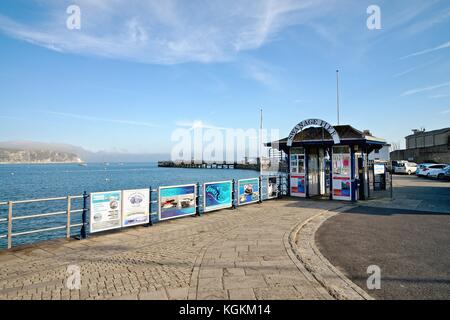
{"points": [[229, 254]]}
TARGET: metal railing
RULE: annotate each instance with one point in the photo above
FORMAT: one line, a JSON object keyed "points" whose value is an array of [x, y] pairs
{"points": [[68, 211], [11, 218]]}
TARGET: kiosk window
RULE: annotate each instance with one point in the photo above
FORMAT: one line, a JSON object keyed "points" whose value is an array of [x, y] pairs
{"points": [[341, 160], [298, 163]]}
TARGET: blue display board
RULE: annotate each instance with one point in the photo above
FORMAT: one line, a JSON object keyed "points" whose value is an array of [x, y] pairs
{"points": [[177, 201], [217, 195], [248, 191]]}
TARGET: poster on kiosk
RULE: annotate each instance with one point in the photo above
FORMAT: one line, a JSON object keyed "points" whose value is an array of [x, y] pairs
{"points": [[297, 171], [342, 185]]}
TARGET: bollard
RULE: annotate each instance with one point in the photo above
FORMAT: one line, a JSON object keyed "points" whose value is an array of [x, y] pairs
{"points": [[392, 187], [288, 184], [197, 201], [83, 217], [279, 187]]}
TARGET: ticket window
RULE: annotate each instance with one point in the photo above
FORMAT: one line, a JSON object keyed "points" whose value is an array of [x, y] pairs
{"points": [[342, 180], [297, 172]]}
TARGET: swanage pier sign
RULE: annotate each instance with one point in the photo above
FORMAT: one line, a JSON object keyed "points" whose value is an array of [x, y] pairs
{"points": [[313, 122]]}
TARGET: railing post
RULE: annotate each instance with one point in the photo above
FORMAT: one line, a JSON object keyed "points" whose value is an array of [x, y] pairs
{"points": [[69, 204], [260, 189], [150, 223], [233, 194], [10, 221], [84, 218], [197, 201]]}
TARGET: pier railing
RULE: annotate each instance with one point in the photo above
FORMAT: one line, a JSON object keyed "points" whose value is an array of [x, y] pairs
{"points": [[11, 218], [66, 210]]}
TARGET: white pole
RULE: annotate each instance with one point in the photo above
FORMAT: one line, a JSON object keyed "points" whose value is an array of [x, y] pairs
{"points": [[337, 95]]}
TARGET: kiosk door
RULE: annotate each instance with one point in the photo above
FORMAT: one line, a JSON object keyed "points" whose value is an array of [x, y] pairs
{"points": [[313, 174]]}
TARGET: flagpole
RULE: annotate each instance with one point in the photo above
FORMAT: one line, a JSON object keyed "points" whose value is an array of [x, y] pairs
{"points": [[337, 95], [260, 140]]}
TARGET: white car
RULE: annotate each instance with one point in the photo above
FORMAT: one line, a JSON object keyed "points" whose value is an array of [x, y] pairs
{"points": [[422, 169], [437, 171], [405, 167]]}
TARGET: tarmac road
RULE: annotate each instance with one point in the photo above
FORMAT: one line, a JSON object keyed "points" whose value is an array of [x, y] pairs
{"points": [[412, 248]]}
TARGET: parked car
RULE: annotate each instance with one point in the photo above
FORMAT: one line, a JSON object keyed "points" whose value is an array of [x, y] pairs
{"points": [[438, 171], [422, 169], [405, 167], [447, 173]]}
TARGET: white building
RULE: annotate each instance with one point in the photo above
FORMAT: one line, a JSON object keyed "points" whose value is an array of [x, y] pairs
{"points": [[382, 154]]}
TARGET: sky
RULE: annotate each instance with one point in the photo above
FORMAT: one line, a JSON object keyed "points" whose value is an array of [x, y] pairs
{"points": [[137, 70]]}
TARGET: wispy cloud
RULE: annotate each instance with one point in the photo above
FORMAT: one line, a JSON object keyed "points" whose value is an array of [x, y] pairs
{"points": [[425, 89], [403, 73], [430, 22], [11, 118], [162, 32], [260, 71], [419, 53], [440, 96], [445, 111], [197, 124], [106, 120]]}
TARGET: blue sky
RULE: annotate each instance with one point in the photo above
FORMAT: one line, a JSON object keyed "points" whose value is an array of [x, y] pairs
{"points": [[136, 70]]}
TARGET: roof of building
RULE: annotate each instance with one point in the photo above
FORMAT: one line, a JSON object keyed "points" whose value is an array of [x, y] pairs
{"points": [[317, 134], [437, 131]]}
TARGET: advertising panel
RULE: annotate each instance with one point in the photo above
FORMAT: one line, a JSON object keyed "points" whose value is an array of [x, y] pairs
{"points": [[135, 207], [272, 187], [176, 201], [217, 195], [298, 188], [342, 188], [105, 213], [378, 168], [248, 191]]}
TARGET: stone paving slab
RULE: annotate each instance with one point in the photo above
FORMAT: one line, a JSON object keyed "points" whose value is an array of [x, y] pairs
{"points": [[229, 254]]}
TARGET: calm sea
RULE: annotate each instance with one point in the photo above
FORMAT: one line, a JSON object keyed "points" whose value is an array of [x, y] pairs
{"points": [[20, 182]]}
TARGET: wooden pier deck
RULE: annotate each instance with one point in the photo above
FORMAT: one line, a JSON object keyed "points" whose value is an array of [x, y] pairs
{"points": [[209, 165]]}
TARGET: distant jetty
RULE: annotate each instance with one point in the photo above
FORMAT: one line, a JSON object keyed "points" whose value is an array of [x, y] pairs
{"points": [[209, 165]]}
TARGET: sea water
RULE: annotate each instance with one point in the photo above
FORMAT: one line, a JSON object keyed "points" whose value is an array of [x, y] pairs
{"points": [[34, 181]]}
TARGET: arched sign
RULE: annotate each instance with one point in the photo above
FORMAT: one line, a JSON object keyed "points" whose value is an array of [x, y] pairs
{"points": [[313, 122]]}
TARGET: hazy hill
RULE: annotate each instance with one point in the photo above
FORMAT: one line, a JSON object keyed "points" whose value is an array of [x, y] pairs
{"points": [[20, 151], [36, 156]]}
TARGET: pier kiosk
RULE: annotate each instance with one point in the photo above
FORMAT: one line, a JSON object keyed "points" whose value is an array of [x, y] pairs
{"points": [[328, 161]]}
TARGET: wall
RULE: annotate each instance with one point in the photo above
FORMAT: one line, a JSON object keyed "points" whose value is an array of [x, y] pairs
{"points": [[427, 139], [438, 154]]}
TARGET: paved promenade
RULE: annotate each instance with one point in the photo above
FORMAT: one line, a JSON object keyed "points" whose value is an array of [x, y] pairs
{"points": [[240, 254]]}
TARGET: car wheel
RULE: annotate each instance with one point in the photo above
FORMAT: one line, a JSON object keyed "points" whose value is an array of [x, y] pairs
{"points": [[409, 172], [440, 176]]}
